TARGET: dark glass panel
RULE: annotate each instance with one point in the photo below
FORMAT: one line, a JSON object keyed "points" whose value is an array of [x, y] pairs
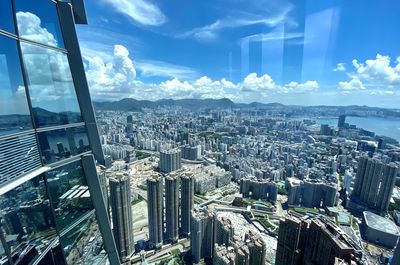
{"points": [[63, 143], [38, 21], [6, 16], [83, 244], [69, 193], [55, 256], [26, 221], [51, 88], [14, 111]]}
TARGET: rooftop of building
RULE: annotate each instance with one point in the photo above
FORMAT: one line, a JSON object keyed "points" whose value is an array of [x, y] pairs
{"points": [[380, 223]]}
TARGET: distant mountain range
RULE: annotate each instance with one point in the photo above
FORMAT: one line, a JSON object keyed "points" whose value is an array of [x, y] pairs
{"points": [[130, 104]]}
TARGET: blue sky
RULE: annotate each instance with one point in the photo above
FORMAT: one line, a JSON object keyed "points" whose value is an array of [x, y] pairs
{"points": [[295, 52]]}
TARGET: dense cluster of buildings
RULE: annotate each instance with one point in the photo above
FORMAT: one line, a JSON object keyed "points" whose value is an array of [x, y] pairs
{"points": [[226, 186], [269, 164]]}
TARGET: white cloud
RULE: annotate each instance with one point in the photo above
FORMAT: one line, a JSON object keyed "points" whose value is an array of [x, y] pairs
{"points": [[211, 31], [301, 88], [378, 70], [265, 83], [353, 84], [151, 68], [374, 74], [340, 67], [141, 11], [254, 83], [116, 78], [29, 27], [116, 75]]}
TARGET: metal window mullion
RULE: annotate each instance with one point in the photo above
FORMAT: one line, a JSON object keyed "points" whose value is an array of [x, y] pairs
{"points": [[59, 127]]}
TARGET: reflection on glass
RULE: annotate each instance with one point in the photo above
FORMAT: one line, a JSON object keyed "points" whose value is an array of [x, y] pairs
{"points": [[38, 21], [63, 143], [55, 256], [83, 244], [50, 85], [26, 221], [6, 16], [14, 111], [69, 193]]}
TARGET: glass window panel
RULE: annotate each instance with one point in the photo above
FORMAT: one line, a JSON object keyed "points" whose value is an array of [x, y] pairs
{"points": [[63, 143], [38, 21], [6, 16], [26, 221], [55, 256], [14, 111], [69, 193], [50, 84], [83, 244]]}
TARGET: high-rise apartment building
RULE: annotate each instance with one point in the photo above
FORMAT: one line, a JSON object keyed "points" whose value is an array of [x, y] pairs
{"points": [[373, 185], [259, 189], [155, 210], [202, 234], [186, 205], [316, 241], [172, 208], [51, 205], [120, 201], [170, 160], [223, 230]]}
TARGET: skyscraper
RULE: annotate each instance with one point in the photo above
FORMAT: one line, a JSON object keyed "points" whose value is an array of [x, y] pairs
{"points": [[186, 205], [373, 185], [202, 234], [170, 160], [288, 242], [155, 210], [120, 200], [172, 208], [223, 230], [50, 198], [341, 121], [257, 248]]}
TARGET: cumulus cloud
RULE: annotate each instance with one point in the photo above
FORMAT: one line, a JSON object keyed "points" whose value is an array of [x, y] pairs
{"points": [[378, 70], [29, 27], [116, 78], [117, 75], [377, 73], [354, 84], [340, 67], [141, 11], [265, 83]]}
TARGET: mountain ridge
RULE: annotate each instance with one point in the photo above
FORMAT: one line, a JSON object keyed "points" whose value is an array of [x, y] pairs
{"points": [[131, 104]]}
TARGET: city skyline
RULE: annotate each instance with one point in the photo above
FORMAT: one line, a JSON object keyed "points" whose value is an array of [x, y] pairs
{"points": [[118, 146], [276, 51]]}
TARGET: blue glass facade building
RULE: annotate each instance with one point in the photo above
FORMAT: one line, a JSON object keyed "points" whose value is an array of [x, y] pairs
{"points": [[51, 205]]}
